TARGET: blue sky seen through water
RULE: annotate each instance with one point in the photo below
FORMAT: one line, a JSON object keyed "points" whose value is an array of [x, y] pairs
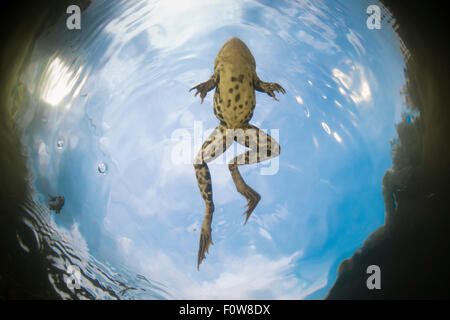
{"points": [[116, 93]]}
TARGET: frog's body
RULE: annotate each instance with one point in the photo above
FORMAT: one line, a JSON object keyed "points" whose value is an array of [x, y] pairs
{"points": [[234, 98], [235, 80]]}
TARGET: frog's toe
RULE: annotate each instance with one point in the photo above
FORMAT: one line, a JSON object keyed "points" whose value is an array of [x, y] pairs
{"points": [[270, 87], [278, 88], [205, 242], [202, 88], [253, 198]]}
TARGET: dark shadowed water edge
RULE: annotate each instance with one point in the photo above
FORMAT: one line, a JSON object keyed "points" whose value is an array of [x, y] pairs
{"points": [[36, 254], [38, 259], [411, 248]]}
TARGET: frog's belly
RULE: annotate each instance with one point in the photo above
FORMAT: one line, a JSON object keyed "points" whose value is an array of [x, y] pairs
{"points": [[234, 103]]}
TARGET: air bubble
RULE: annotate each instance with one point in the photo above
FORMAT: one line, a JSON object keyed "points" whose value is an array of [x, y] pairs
{"points": [[102, 168], [59, 143]]}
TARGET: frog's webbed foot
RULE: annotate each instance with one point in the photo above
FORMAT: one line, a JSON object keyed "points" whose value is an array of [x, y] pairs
{"points": [[251, 195], [205, 236], [269, 88], [204, 87], [205, 242], [253, 198]]}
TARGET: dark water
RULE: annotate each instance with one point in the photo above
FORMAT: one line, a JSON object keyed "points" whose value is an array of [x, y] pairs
{"points": [[55, 254], [74, 256]]}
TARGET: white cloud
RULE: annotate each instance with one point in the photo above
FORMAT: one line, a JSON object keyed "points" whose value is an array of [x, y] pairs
{"points": [[280, 213], [124, 244], [264, 233], [323, 38], [252, 277], [316, 143], [171, 23], [353, 38], [78, 239], [313, 42]]}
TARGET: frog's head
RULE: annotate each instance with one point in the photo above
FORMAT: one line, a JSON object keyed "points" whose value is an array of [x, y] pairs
{"points": [[235, 51]]}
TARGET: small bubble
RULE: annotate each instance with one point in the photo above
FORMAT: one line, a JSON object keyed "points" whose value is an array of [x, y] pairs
{"points": [[102, 168], [60, 143]]}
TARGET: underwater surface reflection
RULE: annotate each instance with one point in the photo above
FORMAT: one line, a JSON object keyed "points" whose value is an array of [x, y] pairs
{"points": [[110, 125]]}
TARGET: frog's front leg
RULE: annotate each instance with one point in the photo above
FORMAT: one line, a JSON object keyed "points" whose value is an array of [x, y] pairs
{"points": [[206, 86], [213, 147], [268, 87]]}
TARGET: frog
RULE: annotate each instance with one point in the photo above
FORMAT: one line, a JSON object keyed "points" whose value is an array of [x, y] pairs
{"points": [[235, 81]]}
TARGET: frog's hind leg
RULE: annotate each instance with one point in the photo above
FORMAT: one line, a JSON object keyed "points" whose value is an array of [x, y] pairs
{"points": [[262, 147], [213, 147]]}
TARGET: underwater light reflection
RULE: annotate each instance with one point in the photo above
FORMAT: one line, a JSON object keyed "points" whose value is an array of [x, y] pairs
{"points": [[60, 81], [349, 84]]}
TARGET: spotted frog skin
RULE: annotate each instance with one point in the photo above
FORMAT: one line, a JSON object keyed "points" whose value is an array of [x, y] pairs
{"points": [[235, 81]]}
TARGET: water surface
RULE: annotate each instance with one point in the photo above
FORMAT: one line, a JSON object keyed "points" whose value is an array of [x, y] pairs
{"points": [[102, 126]]}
